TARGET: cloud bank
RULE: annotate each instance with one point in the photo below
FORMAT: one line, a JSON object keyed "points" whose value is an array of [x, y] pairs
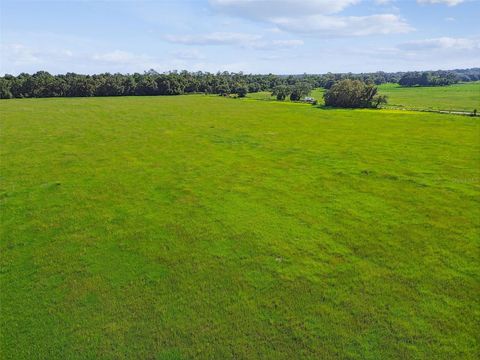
{"points": [[246, 40], [446, 2], [315, 17]]}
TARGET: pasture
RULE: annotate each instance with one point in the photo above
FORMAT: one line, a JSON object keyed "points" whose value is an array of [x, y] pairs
{"points": [[458, 97], [214, 228]]}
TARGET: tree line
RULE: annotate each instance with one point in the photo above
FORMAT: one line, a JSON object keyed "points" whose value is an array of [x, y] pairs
{"points": [[428, 79], [44, 84]]}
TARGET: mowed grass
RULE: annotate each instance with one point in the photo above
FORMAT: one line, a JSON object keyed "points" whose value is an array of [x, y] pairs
{"points": [[204, 227], [458, 97]]}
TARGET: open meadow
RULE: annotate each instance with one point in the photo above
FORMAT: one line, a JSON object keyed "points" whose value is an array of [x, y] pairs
{"points": [[456, 97], [463, 97], [208, 227]]}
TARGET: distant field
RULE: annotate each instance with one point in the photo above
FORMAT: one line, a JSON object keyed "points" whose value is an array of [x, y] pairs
{"points": [[267, 96], [214, 228], [318, 94], [262, 95], [459, 97], [462, 97]]}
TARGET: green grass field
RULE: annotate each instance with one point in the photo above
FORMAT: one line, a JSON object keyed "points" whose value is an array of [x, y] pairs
{"points": [[213, 228], [458, 97], [267, 96]]}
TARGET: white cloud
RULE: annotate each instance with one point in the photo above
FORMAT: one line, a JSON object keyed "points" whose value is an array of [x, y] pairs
{"points": [[16, 58], [267, 9], [18, 55], [216, 38], [188, 54], [345, 25], [446, 2], [124, 61], [287, 43], [120, 57], [442, 43], [251, 41], [276, 44], [315, 17]]}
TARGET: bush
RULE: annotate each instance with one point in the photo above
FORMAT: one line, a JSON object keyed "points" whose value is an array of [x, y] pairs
{"points": [[353, 94]]}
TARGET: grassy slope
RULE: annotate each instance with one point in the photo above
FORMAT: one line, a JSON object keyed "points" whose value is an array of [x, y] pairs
{"points": [[180, 227]]}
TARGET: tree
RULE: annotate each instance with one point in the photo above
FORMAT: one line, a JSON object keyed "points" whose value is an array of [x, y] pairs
{"points": [[241, 90], [254, 87], [281, 92], [353, 94], [43, 84], [81, 85], [110, 86], [129, 86], [223, 89], [300, 90], [146, 86], [328, 83], [5, 92]]}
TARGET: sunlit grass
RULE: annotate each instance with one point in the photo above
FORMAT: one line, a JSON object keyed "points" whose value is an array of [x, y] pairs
{"points": [[459, 97], [206, 227]]}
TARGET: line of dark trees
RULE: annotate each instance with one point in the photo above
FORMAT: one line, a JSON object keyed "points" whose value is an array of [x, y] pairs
{"points": [[428, 79], [43, 84], [451, 76]]}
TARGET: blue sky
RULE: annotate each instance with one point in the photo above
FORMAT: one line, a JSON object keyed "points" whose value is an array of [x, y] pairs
{"points": [[254, 36]]}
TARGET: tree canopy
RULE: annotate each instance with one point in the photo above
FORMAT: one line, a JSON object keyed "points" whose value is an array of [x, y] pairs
{"points": [[300, 90], [353, 94], [281, 92], [44, 84], [428, 79]]}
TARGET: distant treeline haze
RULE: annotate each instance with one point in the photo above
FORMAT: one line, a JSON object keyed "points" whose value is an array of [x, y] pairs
{"points": [[43, 84]]}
